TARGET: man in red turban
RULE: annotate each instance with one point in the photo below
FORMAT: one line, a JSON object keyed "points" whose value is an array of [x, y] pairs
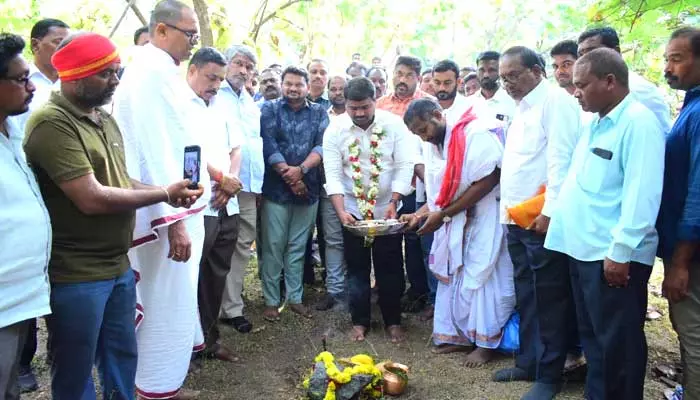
{"points": [[76, 150]]}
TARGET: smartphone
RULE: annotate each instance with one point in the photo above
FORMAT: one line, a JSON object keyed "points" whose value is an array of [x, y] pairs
{"points": [[193, 159]]}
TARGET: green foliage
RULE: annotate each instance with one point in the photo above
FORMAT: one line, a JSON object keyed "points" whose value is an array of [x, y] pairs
{"points": [[644, 27]]}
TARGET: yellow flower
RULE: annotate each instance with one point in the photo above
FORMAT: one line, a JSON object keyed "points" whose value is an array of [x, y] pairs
{"points": [[330, 392]]}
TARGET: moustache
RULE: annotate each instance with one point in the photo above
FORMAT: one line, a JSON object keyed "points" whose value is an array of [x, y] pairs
{"points": [[29, 98], [670, 77], [271, 89], [402, 85]]}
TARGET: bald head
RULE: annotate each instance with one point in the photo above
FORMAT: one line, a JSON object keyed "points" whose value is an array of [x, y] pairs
{"points": [[602, 62], [601, 80]]}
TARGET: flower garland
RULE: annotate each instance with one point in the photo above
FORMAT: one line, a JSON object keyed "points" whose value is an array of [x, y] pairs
{"points": [[337, 377], [367, 201]]}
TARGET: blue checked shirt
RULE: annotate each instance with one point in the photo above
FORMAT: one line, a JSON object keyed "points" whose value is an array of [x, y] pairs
{"points": [[290, 136]]}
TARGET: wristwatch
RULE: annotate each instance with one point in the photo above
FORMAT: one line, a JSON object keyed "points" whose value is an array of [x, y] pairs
{"points": [[445, 218], [303, 169]]}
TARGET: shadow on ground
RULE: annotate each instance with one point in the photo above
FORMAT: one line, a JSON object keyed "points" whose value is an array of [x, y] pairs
{"points": [[276, 356]]}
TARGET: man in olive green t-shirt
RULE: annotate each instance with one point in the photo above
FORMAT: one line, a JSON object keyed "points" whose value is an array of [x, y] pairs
{"points": [[76, 151]]}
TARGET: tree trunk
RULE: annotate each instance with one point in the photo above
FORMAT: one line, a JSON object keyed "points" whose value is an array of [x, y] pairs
{"points": [[202, 11]]}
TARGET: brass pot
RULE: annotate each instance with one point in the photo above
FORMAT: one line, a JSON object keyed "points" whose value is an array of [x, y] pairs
{"points": [[394, 384]]}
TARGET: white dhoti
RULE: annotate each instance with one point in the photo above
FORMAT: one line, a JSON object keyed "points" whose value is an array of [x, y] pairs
{"points": [[158, 121], [168, 327], [469, 256]]}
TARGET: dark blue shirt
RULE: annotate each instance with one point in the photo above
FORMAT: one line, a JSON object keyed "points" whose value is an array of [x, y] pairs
{"points": [[679, 216], [321, 100], [290, 136]]}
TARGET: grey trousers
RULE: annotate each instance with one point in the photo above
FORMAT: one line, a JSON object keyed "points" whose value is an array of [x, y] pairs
{"points": [[685, 317], [11, 344]]}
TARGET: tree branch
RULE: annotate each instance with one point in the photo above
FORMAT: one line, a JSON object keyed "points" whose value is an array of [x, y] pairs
{"points": [[202, 11], [265, 18]]}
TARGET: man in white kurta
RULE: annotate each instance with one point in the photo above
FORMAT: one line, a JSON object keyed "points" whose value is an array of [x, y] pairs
{"points": [[475, 295], [153, 110]]}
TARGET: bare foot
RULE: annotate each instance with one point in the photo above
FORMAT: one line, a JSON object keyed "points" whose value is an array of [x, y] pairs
{"points": [[427, 313], [478, 357], [450, 348], [301, 310], [396, 333], [271, 314], [358, 333]]}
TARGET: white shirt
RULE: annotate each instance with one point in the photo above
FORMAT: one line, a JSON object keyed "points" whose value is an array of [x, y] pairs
{"points": [[223, 136], [652, 98], [152, 106], [397, 161], [457, 109], [539, 145], [500, 106], [247, 113], [25, 230], [44, 86]]}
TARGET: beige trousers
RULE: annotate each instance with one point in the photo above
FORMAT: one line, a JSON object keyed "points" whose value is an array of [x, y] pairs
{"points": [[232, 302]]}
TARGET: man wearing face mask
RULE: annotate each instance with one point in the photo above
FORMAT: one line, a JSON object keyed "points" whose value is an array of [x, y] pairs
{"points": [[491, 98], [235, 100]]}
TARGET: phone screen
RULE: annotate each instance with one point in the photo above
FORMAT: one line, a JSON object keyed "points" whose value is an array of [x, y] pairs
{"points": [[192, 165]]}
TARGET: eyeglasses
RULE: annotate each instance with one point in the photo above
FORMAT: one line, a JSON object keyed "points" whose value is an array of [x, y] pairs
{"points": [[23, 80], [193, 37]]}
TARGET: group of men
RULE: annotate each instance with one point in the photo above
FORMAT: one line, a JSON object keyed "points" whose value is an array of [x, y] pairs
{"points": [[144, 265]]}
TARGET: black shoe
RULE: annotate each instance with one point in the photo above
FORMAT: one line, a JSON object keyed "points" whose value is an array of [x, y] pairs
{"points": [[326, 303], [241, 324], [27, 380]]}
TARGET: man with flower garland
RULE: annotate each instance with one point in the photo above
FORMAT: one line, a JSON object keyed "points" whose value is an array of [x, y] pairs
{"points": [[368, 165]]}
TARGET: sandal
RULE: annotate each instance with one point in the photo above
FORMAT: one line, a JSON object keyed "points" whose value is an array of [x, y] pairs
{"points": [[271, 314]]}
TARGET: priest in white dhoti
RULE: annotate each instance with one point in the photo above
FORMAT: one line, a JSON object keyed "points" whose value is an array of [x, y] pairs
{"points": [[469, 257], [152, 107]]}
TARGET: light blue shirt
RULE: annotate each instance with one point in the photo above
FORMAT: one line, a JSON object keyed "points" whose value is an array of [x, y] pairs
{"points": [[248, 115], [25, 232], [610, 198]]}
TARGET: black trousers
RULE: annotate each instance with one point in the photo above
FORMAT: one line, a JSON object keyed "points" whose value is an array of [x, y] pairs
{"points": [[386, 254], [415, 264], [30, 345], [611, 326], [544, 301], [220, 236]]}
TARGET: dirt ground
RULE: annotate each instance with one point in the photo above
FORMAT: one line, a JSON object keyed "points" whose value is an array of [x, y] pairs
{"points": [[275, 356]]}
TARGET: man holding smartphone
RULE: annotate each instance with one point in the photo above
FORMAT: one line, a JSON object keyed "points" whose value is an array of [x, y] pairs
{"points": [[76, 151]]}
